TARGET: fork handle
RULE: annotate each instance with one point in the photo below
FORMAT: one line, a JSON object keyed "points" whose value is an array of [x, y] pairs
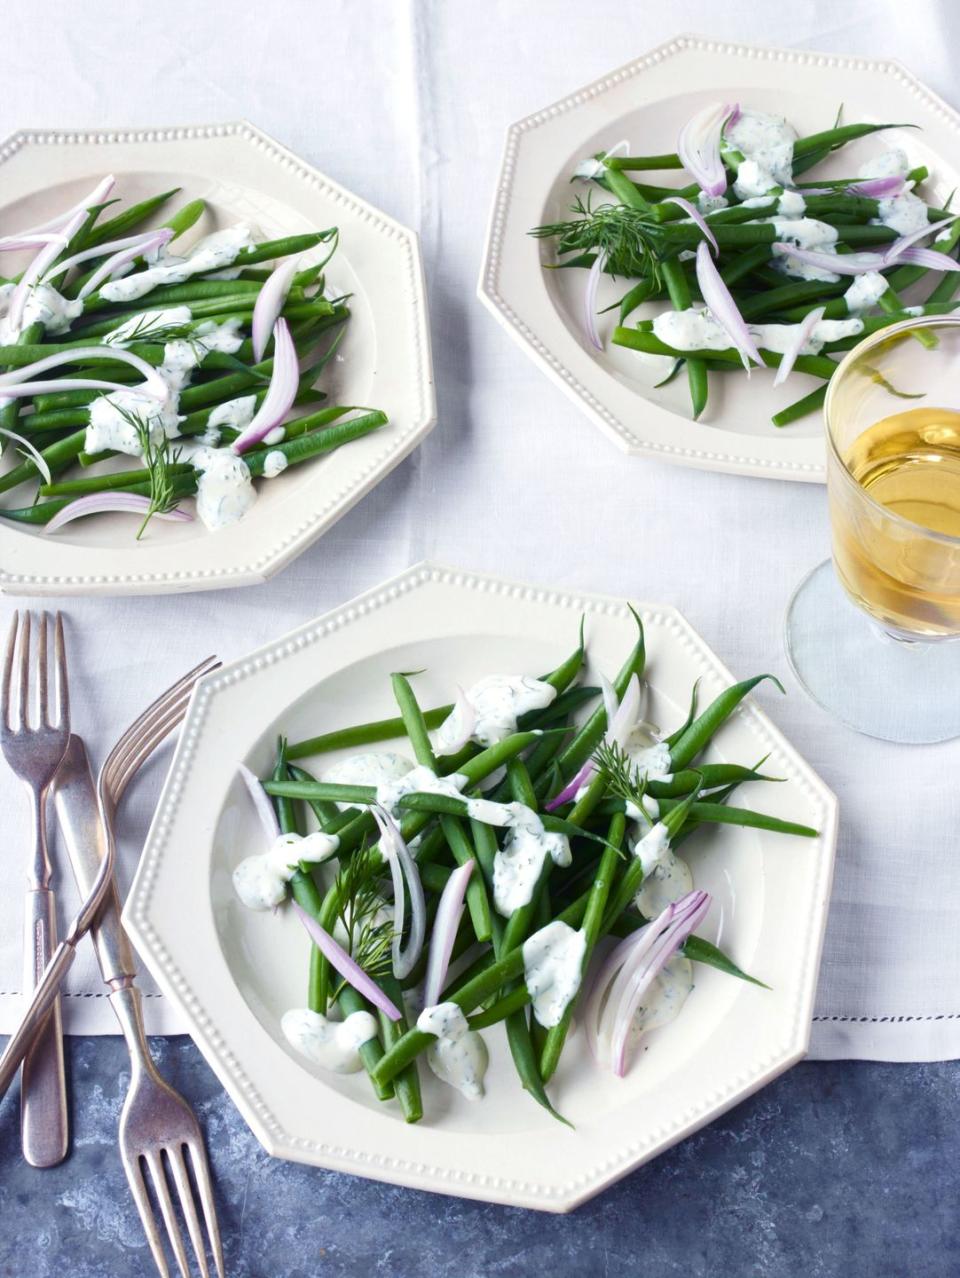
{"points": [[44, 1130]]}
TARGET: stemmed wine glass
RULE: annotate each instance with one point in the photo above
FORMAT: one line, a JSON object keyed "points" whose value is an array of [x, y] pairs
{"points": [[872, 635]]}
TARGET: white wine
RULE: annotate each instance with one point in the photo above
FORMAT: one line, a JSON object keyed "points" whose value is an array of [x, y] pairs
{"points": [[901, 562]]}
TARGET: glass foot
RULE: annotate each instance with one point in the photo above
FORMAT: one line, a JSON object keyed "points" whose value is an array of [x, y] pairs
{"points": [[877, 685]]}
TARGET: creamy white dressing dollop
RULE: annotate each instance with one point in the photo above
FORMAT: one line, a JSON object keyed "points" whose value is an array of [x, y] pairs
{"points": [[260, 881], [333, 1045], [211, 253], [653, 847], [766, 144], [890, 163], [903, 213], [517, 865], [665, 998], [43, 305], [707, 204], [459, 1056], [225, 490], [372, 767], [552, 969], [275, 463], [805, 233], [235, 414], [669, 879], [498, 702], [865, 291], [694, 329]]}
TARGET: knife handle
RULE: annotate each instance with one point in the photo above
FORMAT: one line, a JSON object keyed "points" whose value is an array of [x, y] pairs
{"points": [[44, 1127], [75, 801]]}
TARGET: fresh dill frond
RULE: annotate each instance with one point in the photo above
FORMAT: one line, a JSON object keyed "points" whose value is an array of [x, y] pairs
{"points": [[146, 330], [158, 458], [369, 938], [627, 236], [624, 778]]}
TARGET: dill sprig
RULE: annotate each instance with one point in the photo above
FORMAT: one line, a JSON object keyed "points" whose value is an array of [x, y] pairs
{"points": [[158, 458], [626, 235], [624, 778], [147, 330], [369, 940]]}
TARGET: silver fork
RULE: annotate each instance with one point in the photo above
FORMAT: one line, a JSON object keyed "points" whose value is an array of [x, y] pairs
{"points": [[156, 1123], [34, 754]]}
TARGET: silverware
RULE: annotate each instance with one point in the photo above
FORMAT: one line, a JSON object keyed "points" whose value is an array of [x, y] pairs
{"points": [[156, 1123], [34, 754]]}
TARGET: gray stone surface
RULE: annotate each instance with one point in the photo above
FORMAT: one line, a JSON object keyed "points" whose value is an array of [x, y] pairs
{"points": [[843, 1168]]}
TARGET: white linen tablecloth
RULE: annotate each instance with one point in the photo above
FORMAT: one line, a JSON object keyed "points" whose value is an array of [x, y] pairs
{"points": [[407, 104]]}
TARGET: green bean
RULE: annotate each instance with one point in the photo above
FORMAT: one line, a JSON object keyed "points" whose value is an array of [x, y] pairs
{"points": [[838, 136], [699, 734], [129, 218], [722, 814], [809, 403], [327, 814], [817, 365], [638, 163], [185, 218], [407, 1082], [592, 924], [679, 290], [524, 1056], [363, 734]]}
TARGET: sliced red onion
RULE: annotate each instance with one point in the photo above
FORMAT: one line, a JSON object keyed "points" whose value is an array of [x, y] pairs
{"points": [[396, 853], [109, 268], [621, 718], [261, 801], [601, 981], [154, 385], [349, 969], [723, 308], [838, 263], [269, 304], [14, 243], [282, 391], [31, 449], [897, 247], [696, 216], [144, 241], [690, 912], [698, 147], [96, 196], [465, 713], [445, 924], [932, 259], [881, 188], [590, 300], [797, 343], [111, 502]]}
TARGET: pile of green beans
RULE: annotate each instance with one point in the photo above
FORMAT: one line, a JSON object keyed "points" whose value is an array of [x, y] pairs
{"points": [[596, 892], [56, 423], [648, 242]]}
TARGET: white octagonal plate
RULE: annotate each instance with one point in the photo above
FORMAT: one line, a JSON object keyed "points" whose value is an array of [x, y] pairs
{"points": [[233, 973], [646, 102], [243, 175]]}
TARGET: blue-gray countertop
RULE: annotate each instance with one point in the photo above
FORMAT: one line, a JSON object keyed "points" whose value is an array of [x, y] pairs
{"points": [[845, 1168]]}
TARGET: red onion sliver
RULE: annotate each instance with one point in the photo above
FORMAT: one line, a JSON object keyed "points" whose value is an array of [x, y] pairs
{"points": [[445, 924], [143, 241], [690, 912], [120, 259], [837, 263], [932, 259], [14, 243], [600, 983], [350, 970], [797, 343], [881, 188], [466, 713], [590, 300], [269, 304], [109, 503], [396, 852], [261, 801], [96, 196], [696, 216], [611, 702], [154, 385], [34, 453], [626, 716], [698, 147], [282, 391], [897, 247], [723, 308]]}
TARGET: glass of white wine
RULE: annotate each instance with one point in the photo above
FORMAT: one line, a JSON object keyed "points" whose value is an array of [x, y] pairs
{"points": [[872, 635]]}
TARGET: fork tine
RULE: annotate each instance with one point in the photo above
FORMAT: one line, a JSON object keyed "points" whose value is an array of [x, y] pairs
{"points": [[201, 1174], [23, 718], [188, 680], [124, 768], [63, 686], [139, 1191], [162, 1191], [8, 670], [188, 1207], [42, 686]]}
